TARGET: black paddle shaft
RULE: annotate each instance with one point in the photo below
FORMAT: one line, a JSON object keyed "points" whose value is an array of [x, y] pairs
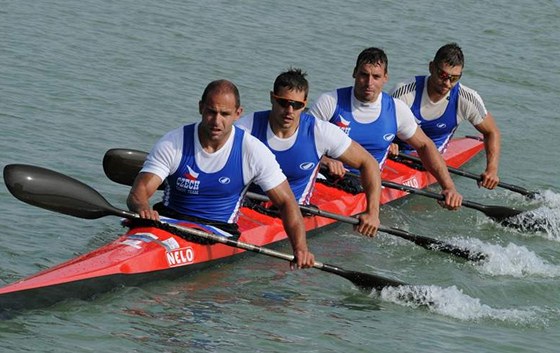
{"points": [[498, 213], [417, 163]]}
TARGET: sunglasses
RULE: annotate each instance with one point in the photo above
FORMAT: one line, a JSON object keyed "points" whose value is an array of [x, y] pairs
{"points": [[285, 103], [444, 76]]}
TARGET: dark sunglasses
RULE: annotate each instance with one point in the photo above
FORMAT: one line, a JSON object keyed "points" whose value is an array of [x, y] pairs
{"points": [[285, 103], [444, 76]]}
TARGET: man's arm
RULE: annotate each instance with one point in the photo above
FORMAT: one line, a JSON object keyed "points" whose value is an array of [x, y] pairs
{"points": [[492, 142], [324, 107], [357, 157], [145, 185], [435, 164], [283, 198]]}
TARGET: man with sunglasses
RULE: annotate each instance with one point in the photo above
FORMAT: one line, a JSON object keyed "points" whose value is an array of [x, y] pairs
{"points": [[373, 119], [208, 166], [299, 141], [440, 103]]}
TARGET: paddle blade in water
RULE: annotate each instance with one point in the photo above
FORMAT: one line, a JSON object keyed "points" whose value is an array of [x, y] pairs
{"points": [[499, 213], [55, 192], [363, 280], [528, 221]]}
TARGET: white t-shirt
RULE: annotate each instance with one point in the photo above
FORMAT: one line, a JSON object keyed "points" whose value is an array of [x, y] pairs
{"points": [[364, 113], [329, 139], [259, 164], [470, 105]]}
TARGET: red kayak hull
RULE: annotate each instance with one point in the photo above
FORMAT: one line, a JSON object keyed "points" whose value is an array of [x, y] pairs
{"points": [[148, 253]]}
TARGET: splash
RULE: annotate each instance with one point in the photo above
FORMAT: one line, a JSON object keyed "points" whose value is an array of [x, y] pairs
{"points": [[543, 218], [511, 260], [550, 198], [452, 302]]}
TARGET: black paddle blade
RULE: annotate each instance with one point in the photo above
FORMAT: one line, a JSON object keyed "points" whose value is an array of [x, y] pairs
{"points": [[363, 280], [500, 213], [528, 222], [55, 192], [122, 165]]}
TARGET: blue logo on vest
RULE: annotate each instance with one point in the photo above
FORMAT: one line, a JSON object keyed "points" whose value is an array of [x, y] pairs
{"points": [[224, 180], [389, 137], [307, 166]]}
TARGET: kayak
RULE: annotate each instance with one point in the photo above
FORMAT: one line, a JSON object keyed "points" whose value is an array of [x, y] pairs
{"points": [[147, 252]]}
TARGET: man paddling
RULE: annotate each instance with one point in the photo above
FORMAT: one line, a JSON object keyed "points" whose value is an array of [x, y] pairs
{"points": [[373, 119], [440, 103], [208, 167], [298, 141]]}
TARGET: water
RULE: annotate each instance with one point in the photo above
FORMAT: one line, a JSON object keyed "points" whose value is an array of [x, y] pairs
{"points": [[78, 78]]}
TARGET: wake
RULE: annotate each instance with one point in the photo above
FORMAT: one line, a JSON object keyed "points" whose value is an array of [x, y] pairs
{"points": [[452, 302], [542, 218], [511, 260]]}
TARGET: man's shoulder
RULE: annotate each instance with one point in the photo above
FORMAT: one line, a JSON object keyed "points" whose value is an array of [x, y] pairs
{"points": [[469, 95], [245, 122], [251, 143], [403, 88]]}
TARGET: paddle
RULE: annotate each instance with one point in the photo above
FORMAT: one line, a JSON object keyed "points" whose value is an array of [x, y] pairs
{"points": [[498, 213], [417, 164], [122, 166], [503, 215], [60, 193], [425, 242]]}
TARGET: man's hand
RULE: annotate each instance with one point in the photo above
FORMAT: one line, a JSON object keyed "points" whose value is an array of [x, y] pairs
{"points": [[335, 167], [149, 214], [453, 199], [393, 149], [303, 259], [489, 180], [368, 226]]}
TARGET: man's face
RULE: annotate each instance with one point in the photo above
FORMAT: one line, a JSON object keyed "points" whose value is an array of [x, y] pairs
{"points": [[287, 106], [369, 80], [444, 77], [219, 112]]}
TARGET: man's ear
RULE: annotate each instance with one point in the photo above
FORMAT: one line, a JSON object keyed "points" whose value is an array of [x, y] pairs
{"points": [[239, 113]]}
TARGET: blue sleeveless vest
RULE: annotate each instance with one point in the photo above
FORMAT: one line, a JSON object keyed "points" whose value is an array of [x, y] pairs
{"points": [[375, 137], [212, 196], [300, 162], [439, 130]]}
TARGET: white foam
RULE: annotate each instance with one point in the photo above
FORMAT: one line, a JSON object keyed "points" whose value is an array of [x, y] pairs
{"points": [[544, 221], [550, 198], [452, 302], [511, 260], [542, 217]]}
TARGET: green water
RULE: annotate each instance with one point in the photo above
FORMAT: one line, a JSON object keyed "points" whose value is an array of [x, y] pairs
{"points": [[80, 77]]}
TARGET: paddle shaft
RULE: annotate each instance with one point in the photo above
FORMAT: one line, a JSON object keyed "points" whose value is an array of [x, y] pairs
{"points": [[433, 195], [383, 282], [498, 213], [418, 164], [425, 242]]}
